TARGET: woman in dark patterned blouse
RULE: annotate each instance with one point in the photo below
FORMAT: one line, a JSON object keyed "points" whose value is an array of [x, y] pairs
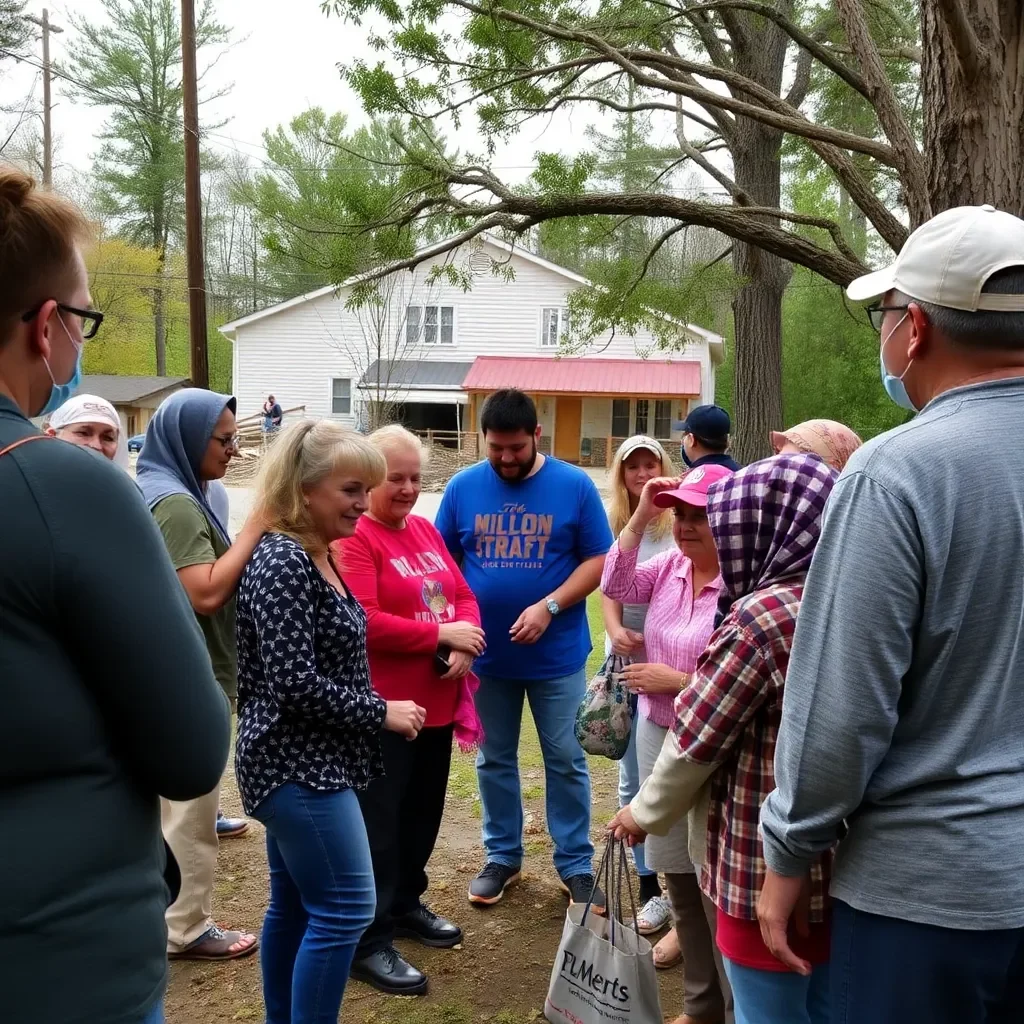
{"points": [[309, 722]]}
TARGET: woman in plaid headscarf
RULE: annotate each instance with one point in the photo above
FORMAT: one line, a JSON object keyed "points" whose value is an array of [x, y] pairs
{"points": [[766, 520]]}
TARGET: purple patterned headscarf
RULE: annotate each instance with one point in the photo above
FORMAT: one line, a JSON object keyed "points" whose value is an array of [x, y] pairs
{"points": [[766, 520]]}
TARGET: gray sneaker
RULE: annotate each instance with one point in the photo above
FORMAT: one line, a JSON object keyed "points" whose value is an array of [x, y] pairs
{"points": [[489, 886]]}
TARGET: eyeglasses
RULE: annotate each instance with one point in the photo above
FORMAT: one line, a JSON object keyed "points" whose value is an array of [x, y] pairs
{"points": [[228, 441], [876, 314], [91, 318]]}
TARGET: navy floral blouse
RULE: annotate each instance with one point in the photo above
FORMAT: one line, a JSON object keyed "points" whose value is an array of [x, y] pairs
{"points": [[306, 710]]}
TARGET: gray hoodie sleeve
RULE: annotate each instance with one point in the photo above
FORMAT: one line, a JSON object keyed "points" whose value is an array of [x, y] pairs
{"points": [[852, 649]]}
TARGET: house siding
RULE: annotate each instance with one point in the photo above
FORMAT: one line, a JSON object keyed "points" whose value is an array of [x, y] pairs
{"points": [[296, 352]]}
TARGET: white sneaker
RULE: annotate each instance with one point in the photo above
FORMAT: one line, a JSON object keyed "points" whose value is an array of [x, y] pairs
{"points": [[656, 914]]}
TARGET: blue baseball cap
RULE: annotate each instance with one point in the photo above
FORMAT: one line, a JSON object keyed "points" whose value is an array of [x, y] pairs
{"points": [[710, 422]]}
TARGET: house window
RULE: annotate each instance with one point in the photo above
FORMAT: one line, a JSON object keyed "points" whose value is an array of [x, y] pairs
{"points": [[663, 420], [436, 324], [641, 416], [413, 323], [553, 324], [341, 396], [620, 417]]}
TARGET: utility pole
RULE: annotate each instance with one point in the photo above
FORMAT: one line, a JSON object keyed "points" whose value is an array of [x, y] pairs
{"points": [[45, 24], [200, 372]]}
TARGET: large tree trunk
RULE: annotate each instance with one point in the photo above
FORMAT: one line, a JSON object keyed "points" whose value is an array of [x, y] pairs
{"points": [[973, 81], [757, 308]]}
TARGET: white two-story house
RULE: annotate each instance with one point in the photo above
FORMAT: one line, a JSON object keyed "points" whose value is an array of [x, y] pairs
{"points": [[431, 350]]}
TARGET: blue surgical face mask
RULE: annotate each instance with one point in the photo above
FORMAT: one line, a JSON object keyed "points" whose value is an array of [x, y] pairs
{"points": [[682, 451], [60, 393], [894, 386]]}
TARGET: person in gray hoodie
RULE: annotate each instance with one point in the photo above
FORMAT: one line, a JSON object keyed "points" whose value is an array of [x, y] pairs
{"points": [[903, 724]]}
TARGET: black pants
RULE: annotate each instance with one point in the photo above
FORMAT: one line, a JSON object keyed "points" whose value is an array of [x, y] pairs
{"points": [[402, 811], [888, 971]]}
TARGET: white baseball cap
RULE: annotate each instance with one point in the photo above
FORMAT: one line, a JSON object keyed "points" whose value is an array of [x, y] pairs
{"points": [[948, 259], [637, 441]]}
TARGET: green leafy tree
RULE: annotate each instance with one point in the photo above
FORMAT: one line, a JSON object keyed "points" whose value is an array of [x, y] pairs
{"points": [[15, 30], [319, 174], [507, 61], [130, 63]]}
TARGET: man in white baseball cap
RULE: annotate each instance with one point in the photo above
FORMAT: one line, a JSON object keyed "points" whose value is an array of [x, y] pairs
{"points": [[904, 714]]}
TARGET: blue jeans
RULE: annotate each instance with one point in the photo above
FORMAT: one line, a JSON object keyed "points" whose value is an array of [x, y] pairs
{"points": [[553, 704], [780, 997], [156, 1015], [321, 901], [629, 785], [886, 970]]}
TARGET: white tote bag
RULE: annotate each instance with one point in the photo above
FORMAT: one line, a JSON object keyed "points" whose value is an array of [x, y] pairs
{"points": [[604, 972]]}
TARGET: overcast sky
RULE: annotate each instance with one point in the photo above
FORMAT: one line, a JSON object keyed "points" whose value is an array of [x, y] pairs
{"points": [[284, 61]]}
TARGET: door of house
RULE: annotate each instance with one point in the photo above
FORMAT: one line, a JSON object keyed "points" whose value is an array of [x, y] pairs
{"points": [[568, 428]]}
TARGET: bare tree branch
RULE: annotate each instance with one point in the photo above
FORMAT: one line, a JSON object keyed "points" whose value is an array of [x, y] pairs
{"points": [[821, 52], [691, 152], [968, 46], [911, 53], [774, 112], [705, 29], [801, 80], [908, 159], [892, 230], [516, 213]]}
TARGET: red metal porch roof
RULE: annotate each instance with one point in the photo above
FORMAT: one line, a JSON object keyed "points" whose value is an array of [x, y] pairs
{"points": [[575, 376]]}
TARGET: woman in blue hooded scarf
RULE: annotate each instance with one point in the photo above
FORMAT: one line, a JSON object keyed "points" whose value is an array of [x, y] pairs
{"points": [[189, 444]]}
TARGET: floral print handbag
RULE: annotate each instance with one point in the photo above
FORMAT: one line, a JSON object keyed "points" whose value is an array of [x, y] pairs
{"points": [[604, 718]]}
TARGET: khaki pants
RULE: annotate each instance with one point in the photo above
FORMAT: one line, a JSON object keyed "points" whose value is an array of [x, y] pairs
{"points": [[706, 992], [190, 828]]}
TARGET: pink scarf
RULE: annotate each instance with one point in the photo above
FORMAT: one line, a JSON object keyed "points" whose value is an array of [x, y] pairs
{"points": [[469, 732]]}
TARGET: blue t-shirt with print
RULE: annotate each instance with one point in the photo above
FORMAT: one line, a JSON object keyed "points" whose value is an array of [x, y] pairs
{"points": [[518, 542]]}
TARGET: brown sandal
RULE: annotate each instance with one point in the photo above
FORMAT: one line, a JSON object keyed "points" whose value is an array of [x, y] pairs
{"points": [[216, 944]]}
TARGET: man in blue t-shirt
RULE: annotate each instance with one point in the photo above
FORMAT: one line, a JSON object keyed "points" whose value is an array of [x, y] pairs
{"points": [[532, 535]]}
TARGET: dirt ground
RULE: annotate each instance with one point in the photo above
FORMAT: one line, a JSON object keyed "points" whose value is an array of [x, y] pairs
{"points": [[500, 972]]}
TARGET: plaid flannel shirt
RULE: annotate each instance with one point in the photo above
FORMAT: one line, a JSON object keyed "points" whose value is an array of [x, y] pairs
{"points": [[729, 715]]}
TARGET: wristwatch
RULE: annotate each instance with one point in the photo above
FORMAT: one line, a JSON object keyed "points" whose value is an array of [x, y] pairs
{"points": [[552, 606]]}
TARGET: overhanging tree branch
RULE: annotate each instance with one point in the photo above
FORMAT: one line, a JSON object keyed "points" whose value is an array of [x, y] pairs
{"points": [[904, 146], [803, 39], [517, 213], [775, 112]]}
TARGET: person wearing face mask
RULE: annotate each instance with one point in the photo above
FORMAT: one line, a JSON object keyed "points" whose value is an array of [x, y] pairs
{"points": [[706, 438], [91, 422], [682, 588], [901, 728], [189, 443], [423, 632], [99, 720], [639, 459], [310, 726], [531, 535]]}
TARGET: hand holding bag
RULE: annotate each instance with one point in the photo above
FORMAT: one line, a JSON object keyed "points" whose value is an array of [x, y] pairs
{"points": [[604, 972], [604, 718]]}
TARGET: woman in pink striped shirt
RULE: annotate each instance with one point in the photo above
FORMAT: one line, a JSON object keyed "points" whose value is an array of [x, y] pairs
{"points": [[681, 588]]}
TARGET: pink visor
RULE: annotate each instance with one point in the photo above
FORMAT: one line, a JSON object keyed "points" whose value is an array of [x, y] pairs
{"points": [[693, 489]]}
